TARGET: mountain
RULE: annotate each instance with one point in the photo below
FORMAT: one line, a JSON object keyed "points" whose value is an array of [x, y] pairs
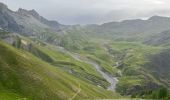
{"points": [[159, 66], [27, 22], [45, 60], [25, 76], [154, 24], [162, 38], [135, 29], [7, 22]]}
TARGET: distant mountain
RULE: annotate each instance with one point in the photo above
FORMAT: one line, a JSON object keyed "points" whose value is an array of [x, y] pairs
{"points": [[154, 24], [134, 29], [28, 22], [162, 38]]}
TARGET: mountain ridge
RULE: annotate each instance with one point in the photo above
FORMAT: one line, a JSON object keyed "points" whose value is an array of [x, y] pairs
{"points": [[85, 54], [38, 22]]}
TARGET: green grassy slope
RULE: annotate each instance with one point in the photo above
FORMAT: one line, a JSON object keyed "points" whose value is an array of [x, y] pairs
{"points": [[131, 58], [96, 51], [123, 59], [57, 57], [60, 58], [69, 64], [25, 76]]}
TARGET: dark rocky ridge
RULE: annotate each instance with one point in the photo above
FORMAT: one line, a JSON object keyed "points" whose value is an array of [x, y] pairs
{"points": [[53, 24], [7, 22], [26, 21]]}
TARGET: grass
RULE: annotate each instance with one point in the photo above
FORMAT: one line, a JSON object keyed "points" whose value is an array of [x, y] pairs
{"points": [[95, 51], [132, 58], [7, 95], [58, 58], [23, 74], [113, 57], [79, 69]]}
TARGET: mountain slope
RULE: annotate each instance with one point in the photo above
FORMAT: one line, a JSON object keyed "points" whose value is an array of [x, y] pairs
{"points": [[57, 56], [27, 22], [159, 66], [130, 30], [25, 76], [7, 22], [162, 38], [63, 72]]}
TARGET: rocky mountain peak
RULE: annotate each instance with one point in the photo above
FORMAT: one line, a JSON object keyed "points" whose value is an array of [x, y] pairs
{"points": [[21, 11], [3, 7], [29, 12], [34, 13]]}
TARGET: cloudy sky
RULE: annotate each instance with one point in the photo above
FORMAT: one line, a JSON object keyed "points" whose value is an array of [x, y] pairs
{"points": [[93, 11]]}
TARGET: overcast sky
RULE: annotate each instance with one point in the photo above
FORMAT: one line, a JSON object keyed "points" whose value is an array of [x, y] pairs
{"points": [[93, 11]]}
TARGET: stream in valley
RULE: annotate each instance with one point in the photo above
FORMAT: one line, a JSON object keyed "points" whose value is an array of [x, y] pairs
{"points": [[112, 80]]}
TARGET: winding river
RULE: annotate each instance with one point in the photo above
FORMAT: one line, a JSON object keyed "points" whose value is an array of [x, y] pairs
{"points": [[112, 80]]}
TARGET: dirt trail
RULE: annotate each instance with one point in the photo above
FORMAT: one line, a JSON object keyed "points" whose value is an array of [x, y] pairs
{"points": [[79, 90]]}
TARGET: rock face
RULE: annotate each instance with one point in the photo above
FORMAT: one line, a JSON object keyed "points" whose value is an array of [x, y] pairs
{"points": [[7, 22], [3, 7], [27, 22], [33, 13]]}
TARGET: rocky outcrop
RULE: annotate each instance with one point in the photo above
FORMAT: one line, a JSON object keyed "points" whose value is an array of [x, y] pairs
{"points": [[7, 22], [27, 22]]}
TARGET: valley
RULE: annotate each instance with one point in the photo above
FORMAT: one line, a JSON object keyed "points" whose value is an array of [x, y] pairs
{"points": [[45, 60]]}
